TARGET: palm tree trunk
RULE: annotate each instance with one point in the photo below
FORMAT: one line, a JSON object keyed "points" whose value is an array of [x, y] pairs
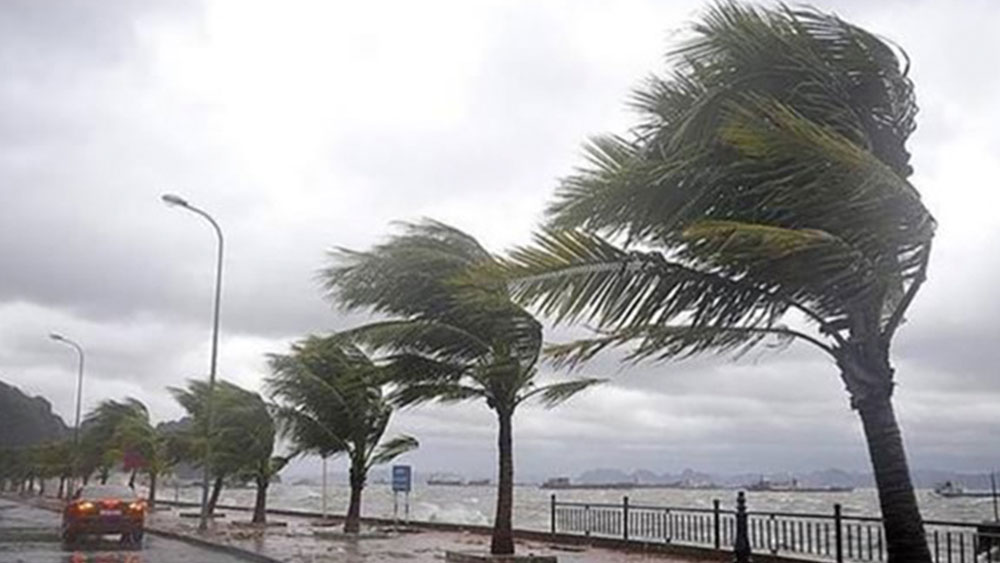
{"points": [[213, 499], [131, 479], [62, 486], [352, 524], [260, 504], [152, 488], [904, 528], [503, 535]]}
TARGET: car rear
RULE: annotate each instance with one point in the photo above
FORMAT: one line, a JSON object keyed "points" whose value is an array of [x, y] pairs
{"points": [[104, 510]]}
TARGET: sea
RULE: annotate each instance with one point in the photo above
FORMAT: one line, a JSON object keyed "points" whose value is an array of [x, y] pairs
{"points": [[475, 504]]}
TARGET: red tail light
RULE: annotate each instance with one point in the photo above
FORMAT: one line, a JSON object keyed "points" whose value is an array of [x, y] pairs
{"points": [[137, 507], [84, 507]]}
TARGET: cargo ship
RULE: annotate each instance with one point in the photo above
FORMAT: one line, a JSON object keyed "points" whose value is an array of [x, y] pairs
{"points": [[793, 487]]}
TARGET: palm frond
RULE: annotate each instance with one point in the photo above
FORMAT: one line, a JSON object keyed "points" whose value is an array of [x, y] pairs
{"points": [[662, 342], [444, 392], [555, 393], [393, 448], [572, 276]]}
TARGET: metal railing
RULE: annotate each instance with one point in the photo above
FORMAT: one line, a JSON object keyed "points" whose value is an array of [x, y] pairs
{"points": [[809, 536]]}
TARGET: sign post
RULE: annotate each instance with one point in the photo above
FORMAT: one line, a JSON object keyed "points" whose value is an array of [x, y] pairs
{"points": [[402, 482]]}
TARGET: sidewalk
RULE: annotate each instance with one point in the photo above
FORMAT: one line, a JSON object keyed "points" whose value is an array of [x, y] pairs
{"points": [[299, 539]]}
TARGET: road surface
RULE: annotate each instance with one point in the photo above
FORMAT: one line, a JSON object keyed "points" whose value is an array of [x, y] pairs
{"points": [[29, 534]]}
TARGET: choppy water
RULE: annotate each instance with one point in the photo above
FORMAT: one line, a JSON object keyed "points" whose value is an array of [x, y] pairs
{"points": [[475, 505]]}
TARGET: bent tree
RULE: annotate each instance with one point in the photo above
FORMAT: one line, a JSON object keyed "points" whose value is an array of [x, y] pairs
{"points": [[453, 334], [763, 195], [330, 401]]}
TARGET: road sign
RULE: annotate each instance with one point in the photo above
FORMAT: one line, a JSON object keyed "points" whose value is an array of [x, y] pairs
{"points": [[401, 478]]}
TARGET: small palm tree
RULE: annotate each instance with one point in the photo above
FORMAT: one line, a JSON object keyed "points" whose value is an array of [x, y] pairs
{"points": [[243, 434], [763, 196], [102, 441], [55, 459], [330, 401], [456, 334]]}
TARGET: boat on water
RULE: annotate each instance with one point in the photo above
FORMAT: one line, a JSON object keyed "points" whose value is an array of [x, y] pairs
{"points": [[793, 486], [446, 482], [948, 489]]}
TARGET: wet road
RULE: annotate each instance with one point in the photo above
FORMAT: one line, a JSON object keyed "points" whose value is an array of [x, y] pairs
{"points": [[29, 534]]}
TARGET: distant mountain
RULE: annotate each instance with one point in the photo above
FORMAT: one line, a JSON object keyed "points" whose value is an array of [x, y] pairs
{"points": [[922, 478], [603, 476], [27, 420]]}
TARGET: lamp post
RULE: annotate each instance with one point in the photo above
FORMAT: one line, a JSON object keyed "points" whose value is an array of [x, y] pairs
{"points": [[177, 201], [79, 394]]}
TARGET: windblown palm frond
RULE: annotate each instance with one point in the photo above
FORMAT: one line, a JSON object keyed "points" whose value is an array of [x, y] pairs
{"points": [[393, 448], [768, 173]]}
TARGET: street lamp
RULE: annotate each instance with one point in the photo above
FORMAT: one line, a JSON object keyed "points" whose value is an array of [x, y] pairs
{"points": [[177, 201], [79, 394]]}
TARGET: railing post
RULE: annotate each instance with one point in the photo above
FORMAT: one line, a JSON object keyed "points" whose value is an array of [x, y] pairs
{"points": [[625, 518], [741, 546], [552, 514], [838, 533], [716, 524]]}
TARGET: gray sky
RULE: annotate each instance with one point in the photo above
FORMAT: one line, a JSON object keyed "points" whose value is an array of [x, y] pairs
{"points": [[303, 125]]}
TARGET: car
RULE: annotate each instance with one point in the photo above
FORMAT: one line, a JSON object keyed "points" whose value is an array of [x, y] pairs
{"points": [[100, 510]]}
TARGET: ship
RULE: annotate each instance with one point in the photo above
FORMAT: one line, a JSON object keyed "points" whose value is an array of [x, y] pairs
{"points": [[793, 487], [949, 489], [445, 481]]}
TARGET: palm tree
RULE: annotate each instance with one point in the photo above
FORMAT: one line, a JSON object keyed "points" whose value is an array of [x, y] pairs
{"points": [[243, 434], [144, 447], [101, 444], [54, 459], [762, 196], [330, 402], [456, 334]]}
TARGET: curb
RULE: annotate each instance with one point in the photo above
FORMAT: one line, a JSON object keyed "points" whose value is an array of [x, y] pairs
{"points": [[220, 547]]}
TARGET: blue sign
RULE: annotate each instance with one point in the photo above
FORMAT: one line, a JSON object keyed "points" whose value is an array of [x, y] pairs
{"points": [[401, 478]]}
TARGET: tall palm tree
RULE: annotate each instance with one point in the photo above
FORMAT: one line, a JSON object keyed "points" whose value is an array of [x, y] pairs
{"points": [[762, 196], [330, 401], [455, 336]]}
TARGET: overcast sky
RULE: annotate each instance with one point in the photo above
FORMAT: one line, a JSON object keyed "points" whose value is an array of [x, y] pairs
{"points": [[304, 125]]}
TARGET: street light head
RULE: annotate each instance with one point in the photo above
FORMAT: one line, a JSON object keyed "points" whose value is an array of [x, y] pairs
{"points": [[171, 199], [56, 336]]}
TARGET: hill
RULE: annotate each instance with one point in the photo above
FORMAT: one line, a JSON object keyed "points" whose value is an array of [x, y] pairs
{"points": [[27, 420]]}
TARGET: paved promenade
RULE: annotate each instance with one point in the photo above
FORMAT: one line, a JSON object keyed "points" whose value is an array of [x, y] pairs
{"points": [[301, 539]]}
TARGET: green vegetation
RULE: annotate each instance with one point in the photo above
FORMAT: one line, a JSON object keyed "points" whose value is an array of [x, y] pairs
{"points": [[242, 440], [763, 197], [454, 333], [331, 402], [122, 431]]}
